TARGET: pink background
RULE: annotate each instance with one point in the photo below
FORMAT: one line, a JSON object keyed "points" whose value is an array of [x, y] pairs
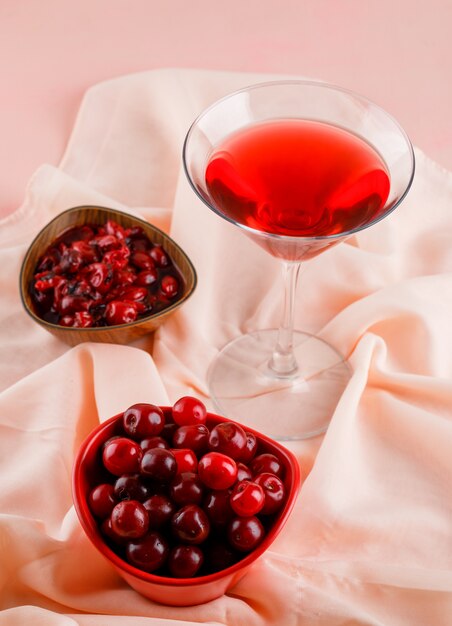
{"points": [[396, 52]]}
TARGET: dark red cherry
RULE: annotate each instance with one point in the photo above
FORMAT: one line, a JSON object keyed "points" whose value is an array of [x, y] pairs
{"points": [[143, 420], [228, 438], [118, 312], [149, 553], [274, 491], [154, 442], [122, 456], [217, 505], [131, 487], [185, 561], [267, 462], [159, 256], [159, 464], [187, 488], [194, 436], [190, 525], [169, 286], [250, 448], [101, 500], [245, 533], [146, 277], [243, 472], [129, 519], [160, 509]]}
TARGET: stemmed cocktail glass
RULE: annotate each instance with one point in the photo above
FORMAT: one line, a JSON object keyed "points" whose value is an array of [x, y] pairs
{"points": [[299, 166]]}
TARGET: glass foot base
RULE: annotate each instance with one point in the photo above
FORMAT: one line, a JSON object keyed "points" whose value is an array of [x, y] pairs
{"points": [[243, 387]]}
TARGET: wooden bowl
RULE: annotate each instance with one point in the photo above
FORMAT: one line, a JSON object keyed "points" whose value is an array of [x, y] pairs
{"points": [[123, 333]]}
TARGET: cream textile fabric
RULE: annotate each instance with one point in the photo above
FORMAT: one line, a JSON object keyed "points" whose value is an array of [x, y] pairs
{"points": [[370, 540]]}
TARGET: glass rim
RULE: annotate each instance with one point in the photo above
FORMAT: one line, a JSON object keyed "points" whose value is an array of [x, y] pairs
{"points": [[309, 83]]}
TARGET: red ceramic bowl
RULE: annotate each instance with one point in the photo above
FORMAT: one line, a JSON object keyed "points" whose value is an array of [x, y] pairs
{"points": [[166, 590]]}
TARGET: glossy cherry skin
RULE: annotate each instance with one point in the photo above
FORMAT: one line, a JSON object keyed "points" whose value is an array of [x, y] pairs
{"points": [[121, 456], [274, 491], [186, 460], [250, 448], [131, 487], [148, 554], [217, 505], [217, 471], [245, 533], [159, 256], [160, 509], [187, 488], [243, 472], [169, 286], [118, 312], [185, 561], [129, 519], [190, 525], [228, 438], [143, 420], [102, 499], [267, 462], [154, 442], [159, 464], [188, 410], [247, 498], [194, 436]]}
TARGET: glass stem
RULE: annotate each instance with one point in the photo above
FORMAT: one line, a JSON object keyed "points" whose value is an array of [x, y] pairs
{"points": [[283, 362]]}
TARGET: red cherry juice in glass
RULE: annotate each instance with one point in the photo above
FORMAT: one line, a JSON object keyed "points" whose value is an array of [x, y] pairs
{"points": [[300, 178]]}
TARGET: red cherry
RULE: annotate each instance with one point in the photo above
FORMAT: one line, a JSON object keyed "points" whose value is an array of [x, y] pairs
{"points": [[169, 286], [267, 462], [247, 498], [143, 420], [154, 442], [142, 260], [159, 464], [159, 256], [160, 509], [190, 525], [101, 500], [149, 553], [146, 277], [131, 487], [250, 448], [185, 561], [129, 519], [243, 472], [217, 470], [245, 533], [218, 507], [122, 456], [274, 491], [187, 411], [194, 436], [118, 312], [228, 438], [187, 488], [186, 460]]}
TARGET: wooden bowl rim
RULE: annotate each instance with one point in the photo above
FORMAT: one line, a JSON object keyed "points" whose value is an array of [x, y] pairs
{"points": [[100, 329]]}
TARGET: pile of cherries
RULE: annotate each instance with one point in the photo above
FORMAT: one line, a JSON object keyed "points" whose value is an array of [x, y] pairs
{"points": [[179, 499], [103, 276]]}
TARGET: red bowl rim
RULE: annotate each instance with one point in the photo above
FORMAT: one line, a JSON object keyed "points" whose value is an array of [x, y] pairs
{"points": [[91, 528]]}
